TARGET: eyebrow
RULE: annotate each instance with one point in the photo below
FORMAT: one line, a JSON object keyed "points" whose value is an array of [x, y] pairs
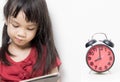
{"points": [[13, 20]]}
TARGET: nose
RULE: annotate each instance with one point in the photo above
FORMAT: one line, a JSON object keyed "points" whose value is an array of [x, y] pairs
{"points": [[21, 33]]}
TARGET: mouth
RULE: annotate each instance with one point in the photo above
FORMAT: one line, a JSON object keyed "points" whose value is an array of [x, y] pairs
{"points": [[18, 40]]}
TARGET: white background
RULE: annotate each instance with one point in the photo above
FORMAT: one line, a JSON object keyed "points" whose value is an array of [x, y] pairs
{"points": [[74, 22]]}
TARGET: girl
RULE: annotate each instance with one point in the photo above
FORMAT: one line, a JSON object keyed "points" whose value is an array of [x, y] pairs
{"points": [[28, 48]]}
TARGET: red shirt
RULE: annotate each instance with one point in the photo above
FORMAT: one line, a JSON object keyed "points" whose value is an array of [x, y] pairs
{"points": [[22, 70]]}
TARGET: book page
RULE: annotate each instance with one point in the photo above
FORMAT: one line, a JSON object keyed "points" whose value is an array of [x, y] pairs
{"points": [[46, 78]]}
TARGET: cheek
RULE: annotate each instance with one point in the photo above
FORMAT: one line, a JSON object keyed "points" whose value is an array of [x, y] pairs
{"points": [[31, 35], [10, 31]]}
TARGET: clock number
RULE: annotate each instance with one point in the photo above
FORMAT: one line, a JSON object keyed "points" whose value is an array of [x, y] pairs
{"points": [[94, 49], [101, 48], [105, 49], [109, 53], [91, 53], [95, 67], [89, 58], [110, 58], [109, 63], [106, 67], [91, 63], [100, 68]]}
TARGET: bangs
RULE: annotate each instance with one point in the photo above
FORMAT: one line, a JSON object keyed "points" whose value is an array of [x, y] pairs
{"points": [[30, 7]]}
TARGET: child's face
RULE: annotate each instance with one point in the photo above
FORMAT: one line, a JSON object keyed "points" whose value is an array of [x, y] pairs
{"points": [[20, 31]]}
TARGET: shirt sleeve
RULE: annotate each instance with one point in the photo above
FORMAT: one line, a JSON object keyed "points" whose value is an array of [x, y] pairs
{"points": [[0, 71], [57, 63]]}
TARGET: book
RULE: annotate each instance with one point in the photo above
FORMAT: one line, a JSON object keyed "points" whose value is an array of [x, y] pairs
{"points": [[46, 78]]}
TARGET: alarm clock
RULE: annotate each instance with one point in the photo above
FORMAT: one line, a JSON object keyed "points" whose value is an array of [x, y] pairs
{"points": [[100, 57]]}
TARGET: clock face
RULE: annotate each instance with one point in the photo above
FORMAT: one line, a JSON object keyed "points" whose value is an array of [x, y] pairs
{"points": [[100, 58]]}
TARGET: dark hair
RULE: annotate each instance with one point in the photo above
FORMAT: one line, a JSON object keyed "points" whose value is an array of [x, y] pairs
{"points": [[35, 11]]}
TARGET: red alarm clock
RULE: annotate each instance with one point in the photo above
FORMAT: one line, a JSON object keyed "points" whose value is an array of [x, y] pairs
{"points": [[100, 57]]}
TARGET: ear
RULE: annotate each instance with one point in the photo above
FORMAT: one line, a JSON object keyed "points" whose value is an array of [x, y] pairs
{"points": [[7, 21]]}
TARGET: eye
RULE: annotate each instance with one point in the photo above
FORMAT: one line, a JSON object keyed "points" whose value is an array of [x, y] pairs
{"points": [[30, 29], [16, 26]]}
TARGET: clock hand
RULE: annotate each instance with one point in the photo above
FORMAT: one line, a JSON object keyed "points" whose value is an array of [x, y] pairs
{"points": [[97, 59], [99, 53]]}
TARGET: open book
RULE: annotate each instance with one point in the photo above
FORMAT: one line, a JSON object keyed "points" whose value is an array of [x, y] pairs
{"points": [[46, 78]]}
